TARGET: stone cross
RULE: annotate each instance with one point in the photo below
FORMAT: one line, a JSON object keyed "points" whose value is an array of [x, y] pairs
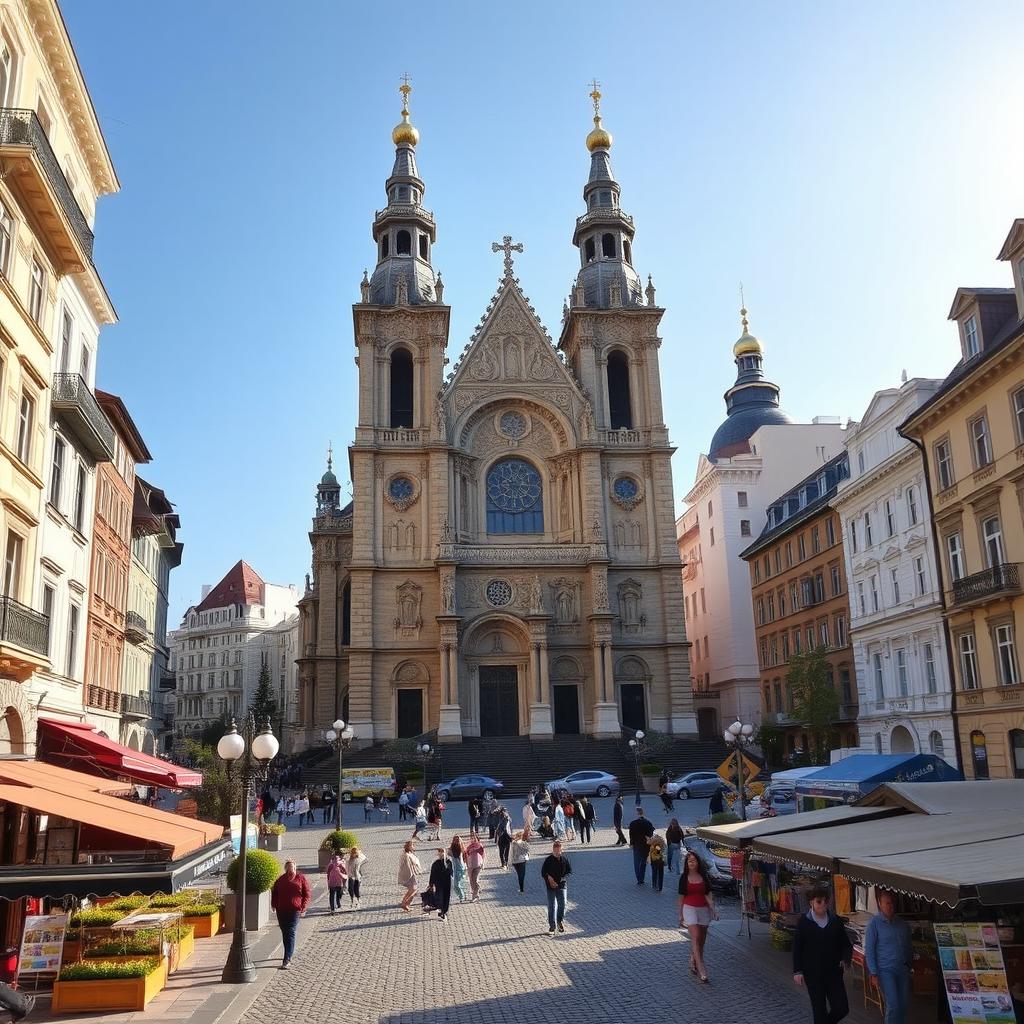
{"points": [[506, 245]]}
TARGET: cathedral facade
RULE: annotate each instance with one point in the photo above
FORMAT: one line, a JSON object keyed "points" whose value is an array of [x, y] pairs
{"points": [[508, 565]]}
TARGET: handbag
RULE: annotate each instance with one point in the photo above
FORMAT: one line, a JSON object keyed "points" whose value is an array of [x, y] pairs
{"points": [[429, 899]]}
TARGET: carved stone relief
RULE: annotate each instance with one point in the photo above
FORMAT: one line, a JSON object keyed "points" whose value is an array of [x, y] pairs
{"points": [[400, 536], [629, 534], [631, 599], [409, 621]]}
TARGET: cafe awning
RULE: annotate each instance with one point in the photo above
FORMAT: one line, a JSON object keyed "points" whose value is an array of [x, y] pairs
{"points": [[79, 745], [859, 774], [742, 833]]}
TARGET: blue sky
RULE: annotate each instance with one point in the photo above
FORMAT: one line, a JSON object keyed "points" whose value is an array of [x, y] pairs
{"points": [[851, 164]]}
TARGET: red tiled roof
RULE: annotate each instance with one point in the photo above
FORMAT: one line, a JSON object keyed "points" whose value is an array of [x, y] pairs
{"points": [[241, 585]]}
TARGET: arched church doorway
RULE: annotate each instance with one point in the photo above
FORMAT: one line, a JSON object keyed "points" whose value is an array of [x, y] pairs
{"points": [[631, 678], [497, 654], [901, 742]]}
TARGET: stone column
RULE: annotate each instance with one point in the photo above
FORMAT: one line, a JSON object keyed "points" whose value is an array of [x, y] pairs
{"points": [[606, 710], [449, 724], [545, 678], [540, 707]]}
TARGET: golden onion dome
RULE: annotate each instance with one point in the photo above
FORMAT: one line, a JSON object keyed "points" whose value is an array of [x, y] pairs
{"points": [[747, 344], [599, 137]]}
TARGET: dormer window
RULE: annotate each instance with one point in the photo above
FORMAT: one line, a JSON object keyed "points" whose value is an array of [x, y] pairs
{"points": [[972, 345]]}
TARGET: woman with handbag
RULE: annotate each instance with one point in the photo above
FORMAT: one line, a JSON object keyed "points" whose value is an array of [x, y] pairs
{"points": [[520, 856]]}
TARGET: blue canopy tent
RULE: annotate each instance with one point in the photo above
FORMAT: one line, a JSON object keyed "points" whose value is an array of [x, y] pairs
{"points": [[856, 776]]}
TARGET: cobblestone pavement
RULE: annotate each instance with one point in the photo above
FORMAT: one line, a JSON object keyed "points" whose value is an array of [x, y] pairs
{"points": [[622, 956]]}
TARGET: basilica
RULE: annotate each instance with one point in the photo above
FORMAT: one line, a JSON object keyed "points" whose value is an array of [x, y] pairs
{"points": [[508, 564]]}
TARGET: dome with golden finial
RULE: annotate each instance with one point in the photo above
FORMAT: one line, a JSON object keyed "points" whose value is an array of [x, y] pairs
{"points": [[747, 345], [599, 137], [404, 133]]}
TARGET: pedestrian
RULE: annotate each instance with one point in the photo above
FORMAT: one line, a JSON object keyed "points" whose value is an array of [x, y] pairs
{"points": [[475, 855], [640, 832], [585, 819], [888, 953], [696, 909], [330, 807], [503, 833], [820, 949], [383, 806], [491, 812], [520, 855], [289, 807], [302, 807], [716, 805], [282, 806], [368, 809], [419, 820], [617, 820], [337, 880], [408, 868], [440, 885], [578, 817], [434, 811], [289, 897], [457, 855], [473, 811], [315, 803], [673, 843], [403, 805], [558, 822], [656, 856], [569, 808], [555, 871], [528, 818], [354, 862], [666, 799]]}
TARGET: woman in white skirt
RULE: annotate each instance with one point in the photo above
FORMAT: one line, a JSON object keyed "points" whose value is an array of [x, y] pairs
{"points": [[696, 910]]}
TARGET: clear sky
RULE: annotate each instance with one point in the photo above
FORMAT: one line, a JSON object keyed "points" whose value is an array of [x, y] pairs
{"points": [[852, 164]]}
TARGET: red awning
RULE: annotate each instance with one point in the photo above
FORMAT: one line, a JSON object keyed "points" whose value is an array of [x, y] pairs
{"points": [[79, 745]]}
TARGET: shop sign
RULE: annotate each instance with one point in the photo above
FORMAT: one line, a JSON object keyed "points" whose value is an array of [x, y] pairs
{"points": [[42, 944], [236, 834], [973, 974]]}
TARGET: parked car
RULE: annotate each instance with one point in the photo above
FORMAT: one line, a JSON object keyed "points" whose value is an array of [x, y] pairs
{"points": [[778, 799], [696, 784], [719, 868], [586, 783], [465, 787]]}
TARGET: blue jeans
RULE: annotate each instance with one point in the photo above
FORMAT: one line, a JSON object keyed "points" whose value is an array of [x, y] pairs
{"points": [[556, 897], [673, 852], [640, 864], [895, 987], [288, 921]]}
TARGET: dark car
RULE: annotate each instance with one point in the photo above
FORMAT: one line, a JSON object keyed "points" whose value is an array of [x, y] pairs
{"points": [[464, 787]]}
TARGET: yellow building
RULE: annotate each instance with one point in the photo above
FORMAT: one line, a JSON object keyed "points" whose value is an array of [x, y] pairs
{"points": [[972, 434]]}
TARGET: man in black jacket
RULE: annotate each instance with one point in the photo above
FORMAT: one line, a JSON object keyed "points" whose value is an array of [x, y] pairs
{"points": [[555, 871], [617, 821], [820, 949], [441, 883]]}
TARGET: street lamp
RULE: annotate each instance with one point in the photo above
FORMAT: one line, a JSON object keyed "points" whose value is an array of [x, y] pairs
{"points": [[737, 737], [424, 752], [339, 737], [636, 745], [255, 750]]}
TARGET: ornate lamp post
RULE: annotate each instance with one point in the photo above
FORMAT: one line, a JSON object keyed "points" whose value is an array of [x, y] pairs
{"points": [[254, 750], [737, 737], [424, 752], [636, 745], [340, 736]]}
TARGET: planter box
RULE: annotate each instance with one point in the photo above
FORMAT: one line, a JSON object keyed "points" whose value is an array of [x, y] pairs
{"points": [[274, 843], [181, 951], [72, 951], [650, 783], [108, 994], [204, 927], [257, 911]]}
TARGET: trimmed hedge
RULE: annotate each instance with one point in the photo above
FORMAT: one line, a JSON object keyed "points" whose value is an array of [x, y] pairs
{"points": [[128, 946], [261, 871], [106, 970], [339, 840], [96, 917], [129, 903], [201, 909], [179, 899]]}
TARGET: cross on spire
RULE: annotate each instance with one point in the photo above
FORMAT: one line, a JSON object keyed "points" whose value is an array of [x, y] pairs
{"points": [[595, 95], [508, 247], [330, 454], [405, 88]]}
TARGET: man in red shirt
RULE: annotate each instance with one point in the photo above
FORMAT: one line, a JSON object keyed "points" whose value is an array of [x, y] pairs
{"points": [[289, 897]]}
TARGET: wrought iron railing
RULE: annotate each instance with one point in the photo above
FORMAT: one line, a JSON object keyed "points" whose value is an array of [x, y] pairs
{"points": [[995, 580], [137, 705], [71, 390], [22, 128], [24, 626], [136, 624], [102, 699]]}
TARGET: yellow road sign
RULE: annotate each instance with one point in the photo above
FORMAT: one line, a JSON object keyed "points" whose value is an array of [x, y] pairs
{"points": [[727, 769]]}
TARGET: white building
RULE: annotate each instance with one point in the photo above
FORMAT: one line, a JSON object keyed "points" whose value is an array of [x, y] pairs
{"points": [[217, 653], [754, 456], [279, 649], [896, 623]]}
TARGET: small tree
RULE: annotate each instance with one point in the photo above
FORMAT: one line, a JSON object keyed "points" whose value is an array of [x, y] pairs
{"points": [[220, 795], [263, 705], [769, 738], [815, 702]]}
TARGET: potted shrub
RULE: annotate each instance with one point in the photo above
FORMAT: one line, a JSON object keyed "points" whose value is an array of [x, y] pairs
{"points": [[124, 946], [649, 775], [272, 837], [109, 985], [200, 909], [334, 842], [261, 871]]}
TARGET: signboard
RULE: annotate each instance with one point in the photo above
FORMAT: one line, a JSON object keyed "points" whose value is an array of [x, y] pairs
{"points": [[727, 770], [367, 781], [236, 834], [42, 944], [973, 974]]}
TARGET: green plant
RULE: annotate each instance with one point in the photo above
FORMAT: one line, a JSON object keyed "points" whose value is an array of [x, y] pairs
{"points": [[261, 871], [271, 829], [650, 769], [263, 706], [339, 840], [129, 903], [96, 917], [141, 944], [221, 792], [174, 934], [177, 899], [201, 909], [106, 970], [770, 739], [724, 818], [815, 701]]}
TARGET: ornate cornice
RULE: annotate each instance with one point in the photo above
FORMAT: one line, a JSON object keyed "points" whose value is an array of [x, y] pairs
{"points": [[858, 485]]}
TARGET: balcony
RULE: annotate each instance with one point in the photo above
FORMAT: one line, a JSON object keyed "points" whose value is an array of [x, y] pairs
{"points": [[24, 639], [778, 718], [135, 629], [102, 699], [706, 694], [32, 169], [136, 706], [77, 406], [997, 581]]}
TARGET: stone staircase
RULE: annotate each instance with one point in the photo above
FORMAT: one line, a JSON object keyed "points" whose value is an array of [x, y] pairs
{"points": [[520, 762]]}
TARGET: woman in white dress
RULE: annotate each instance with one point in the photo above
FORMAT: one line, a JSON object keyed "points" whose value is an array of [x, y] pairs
{"points": [[528, 818]]}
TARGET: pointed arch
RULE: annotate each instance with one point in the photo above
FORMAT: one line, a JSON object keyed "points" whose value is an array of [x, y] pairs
{"points": [[401, 388]]}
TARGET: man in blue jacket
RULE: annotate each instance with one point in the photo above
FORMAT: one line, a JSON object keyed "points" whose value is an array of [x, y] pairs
{"points": [[820, 949], [888, 953]]}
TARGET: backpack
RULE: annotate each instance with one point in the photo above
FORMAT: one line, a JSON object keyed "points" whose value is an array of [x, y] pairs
{"points": [[656, 853]]}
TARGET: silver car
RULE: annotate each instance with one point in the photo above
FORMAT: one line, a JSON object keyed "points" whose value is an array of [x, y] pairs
{"points": [[586, 783], [696, 784]]}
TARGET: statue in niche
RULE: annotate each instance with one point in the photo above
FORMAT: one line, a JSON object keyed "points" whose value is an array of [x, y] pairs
{"points": [[565, 602], [587, 422], [409, 597], [402, 291], [630, 603], [512, 359], [448, 593], [439, 417], [536, 597]]}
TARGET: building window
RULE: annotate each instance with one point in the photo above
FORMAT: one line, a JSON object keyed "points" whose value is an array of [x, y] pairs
{"points": [[836, 581], [971, 345], [794, 597], [955, 552], [401, 388], [1018, 414], [815, 540], [809, 636], [1006, 655], [73, 615], [403, 243], [12, 565], [514, 498], [890, 518], [741, 499], [860, 597], [771, 607], [920, 576], [764, 652], [711, 510], [979, 754], [775, 650], [874, 593], [757, 571], [6, 236], [57, 471], [944, 464], [860, 461], [929, 669], [49, 595], [894, 576], [620, 412], [823, 630], [981, 444], [760, 611], [26, 417], [853, 537], [912, 505], [36, 292], [935, 744], [711, 536], [830, 531], [801, 550], [840, 631], [878, 742], [782, 602], [901, 672], [968, 661], [845, 686], [876, 661], [67, 330], [789, 554], [868, 538], [785, 647], [744, 527], [1017, 752], [819, 588], [777, 558], [992, 533], [796, 641], [78, 513]]}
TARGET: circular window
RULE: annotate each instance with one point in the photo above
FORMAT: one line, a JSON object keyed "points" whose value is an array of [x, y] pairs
{"points": [[513, 486], [626, 488], [513, 424], [499, 592], [400, 488]]}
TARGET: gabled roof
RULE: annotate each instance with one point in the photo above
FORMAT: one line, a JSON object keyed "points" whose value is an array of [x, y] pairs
{"points": [[241, 585], [120, 419], [964, 296], [1014, 240]]}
